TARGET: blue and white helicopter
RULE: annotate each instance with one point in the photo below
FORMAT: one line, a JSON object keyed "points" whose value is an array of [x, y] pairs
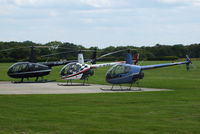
{"points": [[127, 73]]}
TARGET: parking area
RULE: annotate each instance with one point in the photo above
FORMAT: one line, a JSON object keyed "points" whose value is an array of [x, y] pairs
{"points": [[61, 88]]}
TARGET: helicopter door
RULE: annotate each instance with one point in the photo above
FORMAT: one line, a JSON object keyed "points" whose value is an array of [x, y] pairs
{"points": [[37, 67], [124, 71], [75, 68], [70, 69], [114, 72], [118, 71]]}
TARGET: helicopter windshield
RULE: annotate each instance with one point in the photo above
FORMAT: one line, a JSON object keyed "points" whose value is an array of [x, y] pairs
{"points": [[26, 67], [117, 70], [20, 67], [70, 69]]}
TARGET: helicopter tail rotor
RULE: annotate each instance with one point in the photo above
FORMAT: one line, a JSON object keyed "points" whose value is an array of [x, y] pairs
{"points": [[188, 62]]}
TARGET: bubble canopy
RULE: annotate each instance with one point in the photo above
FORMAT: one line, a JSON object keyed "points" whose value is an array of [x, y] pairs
{"points": [[27, 69]]}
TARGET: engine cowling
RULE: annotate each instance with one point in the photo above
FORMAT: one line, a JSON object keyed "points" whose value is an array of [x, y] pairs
{"points": [[91, 73], [138, 74]]}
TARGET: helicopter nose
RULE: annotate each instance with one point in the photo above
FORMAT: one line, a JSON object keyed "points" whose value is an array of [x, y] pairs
{"points": [[10, 70]]}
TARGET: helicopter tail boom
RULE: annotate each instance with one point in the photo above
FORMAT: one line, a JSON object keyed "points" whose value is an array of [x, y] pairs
{"points": [[187, 62]]}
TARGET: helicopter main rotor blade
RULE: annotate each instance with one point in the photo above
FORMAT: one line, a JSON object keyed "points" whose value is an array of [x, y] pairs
{"points": [[9, 49], [49, 55], [113, 53], [42, 46]]}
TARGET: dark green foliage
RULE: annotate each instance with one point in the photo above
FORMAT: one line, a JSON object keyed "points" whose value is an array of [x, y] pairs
{"points": [[163, 58], [157, 52], [18, 54], [194, 50]]}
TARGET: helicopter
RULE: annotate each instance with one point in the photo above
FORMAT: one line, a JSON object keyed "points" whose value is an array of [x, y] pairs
{"points": [[81, 71], [32, 68], [127, 73]]}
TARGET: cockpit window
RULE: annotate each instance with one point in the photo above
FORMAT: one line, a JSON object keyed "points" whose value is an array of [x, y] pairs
{"points": [[114, 71], [117, 70], [127, 69], [70, 69], [22, 67]]}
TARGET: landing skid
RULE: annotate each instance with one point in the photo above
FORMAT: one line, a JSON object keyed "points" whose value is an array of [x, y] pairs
{"points": [[69, 83], [36, 81], [73, 84], [119, 89], [33, 81], [123, 89]]}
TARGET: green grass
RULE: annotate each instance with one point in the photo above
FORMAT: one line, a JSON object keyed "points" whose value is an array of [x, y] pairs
{"points": [[172, 112], [119, 113]]}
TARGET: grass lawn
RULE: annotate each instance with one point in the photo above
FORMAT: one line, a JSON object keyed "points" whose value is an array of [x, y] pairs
{"points": [[173, 112]]}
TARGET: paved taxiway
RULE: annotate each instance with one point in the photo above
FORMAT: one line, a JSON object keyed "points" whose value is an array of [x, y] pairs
{"points": [[54, 88]]}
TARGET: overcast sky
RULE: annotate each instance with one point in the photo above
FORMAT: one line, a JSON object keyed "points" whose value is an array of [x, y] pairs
{"points": [[101, 22]]}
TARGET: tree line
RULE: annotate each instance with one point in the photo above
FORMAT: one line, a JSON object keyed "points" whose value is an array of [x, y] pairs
{"points": [[20, 51]]}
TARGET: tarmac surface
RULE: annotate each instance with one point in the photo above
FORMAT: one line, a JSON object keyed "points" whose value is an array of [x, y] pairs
{"points": [[62, 88]]}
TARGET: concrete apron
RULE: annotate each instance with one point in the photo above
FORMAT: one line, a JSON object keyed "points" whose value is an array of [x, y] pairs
{"points": [[61, 88]]}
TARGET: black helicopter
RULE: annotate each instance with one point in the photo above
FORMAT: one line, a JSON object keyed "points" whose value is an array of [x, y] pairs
{"points": [[32, 68]]}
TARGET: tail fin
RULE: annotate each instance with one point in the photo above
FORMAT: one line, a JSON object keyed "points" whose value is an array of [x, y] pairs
{"points": [[33, 55], [80, 58], [188, 62], [136, 58], [129, 58]]}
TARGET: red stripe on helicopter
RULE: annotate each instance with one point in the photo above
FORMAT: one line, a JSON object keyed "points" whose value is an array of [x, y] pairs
{"points": [[76, 74]]}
